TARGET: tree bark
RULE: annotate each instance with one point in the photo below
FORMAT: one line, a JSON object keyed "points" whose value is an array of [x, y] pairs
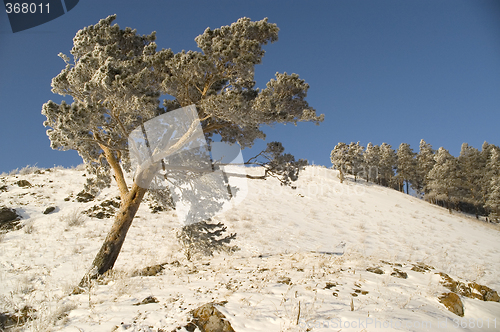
{"points": [[341, 176], [119, 177], [106, 258]]}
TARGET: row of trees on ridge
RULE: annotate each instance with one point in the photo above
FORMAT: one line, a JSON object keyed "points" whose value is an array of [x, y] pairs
{"points": [[469, 182]]}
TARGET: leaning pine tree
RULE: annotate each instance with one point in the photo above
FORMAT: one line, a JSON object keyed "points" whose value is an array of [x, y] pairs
{"points": [[116, 78]]}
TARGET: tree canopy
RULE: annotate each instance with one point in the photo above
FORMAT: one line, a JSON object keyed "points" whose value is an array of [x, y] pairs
{"points": [[117, 76]]}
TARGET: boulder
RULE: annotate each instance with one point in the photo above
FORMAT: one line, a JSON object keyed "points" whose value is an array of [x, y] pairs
{"points": [[106, 209], [148, 300], [84, 197], [421, 267], [376, 270], [9, 219], [209, 319], [149, 271], [24, 183], [285, 280], [453, 303], [399, 274], [49, 210]]}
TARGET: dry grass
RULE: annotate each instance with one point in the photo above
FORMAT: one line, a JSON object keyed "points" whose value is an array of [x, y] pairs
{"points": [[73, 218]]}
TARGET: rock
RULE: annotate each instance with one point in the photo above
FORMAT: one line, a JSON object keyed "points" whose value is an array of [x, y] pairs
{"points": [[156, 208], [471, 290], [148, 300], [49, 210], [8, 321], [453, 303], [84, 197], [330, 285], [101, 215], [483, 292], [149, 271], [209, 319], [376, 270], [448, 282], [24, 183], [110, 202], [359, 291], [3, 188], [421, 267], [399, 274], [285, 280], [106, 209], [9, 219]]}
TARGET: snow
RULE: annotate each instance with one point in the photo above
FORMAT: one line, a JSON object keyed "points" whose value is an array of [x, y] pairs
{"points": [[297, 248]]}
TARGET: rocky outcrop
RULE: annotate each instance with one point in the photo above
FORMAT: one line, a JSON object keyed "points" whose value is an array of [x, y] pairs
{"points": [[471, 290]]}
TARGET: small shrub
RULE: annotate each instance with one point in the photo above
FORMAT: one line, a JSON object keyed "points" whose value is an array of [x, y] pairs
{"points": [[74, 218], [79, 167], [203, 239], [29, 227], [28, 170]]}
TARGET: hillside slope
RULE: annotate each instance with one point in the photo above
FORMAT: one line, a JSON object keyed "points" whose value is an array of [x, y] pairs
{"points": [[302, 263]]}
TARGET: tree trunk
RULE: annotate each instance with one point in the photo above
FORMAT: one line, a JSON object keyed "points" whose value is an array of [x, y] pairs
{"points": [[106, 257]]}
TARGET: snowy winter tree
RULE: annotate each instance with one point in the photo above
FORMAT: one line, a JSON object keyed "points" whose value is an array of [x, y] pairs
{"points": [[405, 165], [355, 156], [492, 190], [115, 78], [340, 159], [424, 163], [445, 179], [491, 162], [473, 167], [493, 198], [371, 158], [387, 164]]}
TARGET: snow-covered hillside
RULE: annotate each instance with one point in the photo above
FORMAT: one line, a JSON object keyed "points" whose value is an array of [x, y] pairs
{"points": [[302, 263]]}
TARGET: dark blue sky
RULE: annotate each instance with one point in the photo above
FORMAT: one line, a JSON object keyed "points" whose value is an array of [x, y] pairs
{"points": [[381, 71]]}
